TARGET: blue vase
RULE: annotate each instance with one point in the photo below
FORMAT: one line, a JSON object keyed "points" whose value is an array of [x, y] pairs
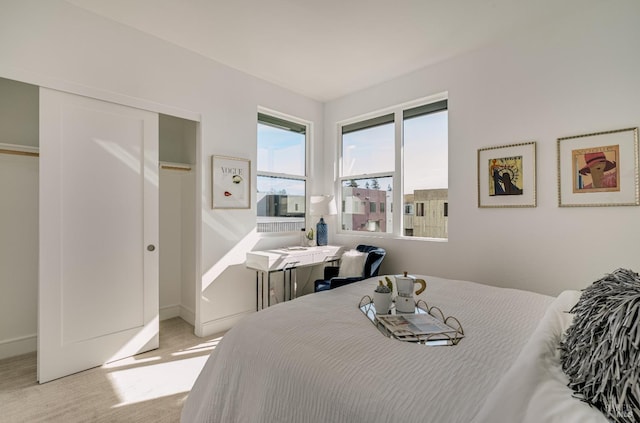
{"points": [[322, 235]]}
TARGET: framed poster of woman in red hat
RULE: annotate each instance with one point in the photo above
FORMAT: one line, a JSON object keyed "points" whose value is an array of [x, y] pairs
{"points": [[595, 169], [599, 169]]}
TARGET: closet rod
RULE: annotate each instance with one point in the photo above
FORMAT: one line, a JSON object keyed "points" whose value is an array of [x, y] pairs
{"points": [[19, 152], [175, 166]]}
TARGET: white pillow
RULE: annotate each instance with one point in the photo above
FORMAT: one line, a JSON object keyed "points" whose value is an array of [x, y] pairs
{"points": [[352, 264], [535, 389]]}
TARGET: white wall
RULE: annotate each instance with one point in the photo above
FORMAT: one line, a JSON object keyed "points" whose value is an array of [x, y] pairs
{"points": [[188, 252], [18, 219], [18, 254], [170, 245], [575, 76], [176, 247], [58, 45], [18, 113], [177, 140]]}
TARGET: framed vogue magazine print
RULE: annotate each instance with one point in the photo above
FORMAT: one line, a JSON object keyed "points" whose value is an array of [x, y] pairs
{"points": [[230, 182], [599, 169], [507, 175]]}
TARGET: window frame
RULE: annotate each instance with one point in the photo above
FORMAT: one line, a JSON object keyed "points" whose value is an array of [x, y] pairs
{"points": [[397, 174], [308, 126]]}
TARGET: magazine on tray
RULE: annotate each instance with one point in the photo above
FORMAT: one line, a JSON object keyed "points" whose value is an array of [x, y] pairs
{"points": [[413, 327]]}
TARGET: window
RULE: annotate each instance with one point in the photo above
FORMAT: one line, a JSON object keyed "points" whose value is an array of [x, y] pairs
{"points": [[368, 161], [369, 148], [426, 167], [281, 174]]}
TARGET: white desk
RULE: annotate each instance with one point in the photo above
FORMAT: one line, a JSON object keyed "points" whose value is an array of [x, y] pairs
{"points": [[286, 260]]}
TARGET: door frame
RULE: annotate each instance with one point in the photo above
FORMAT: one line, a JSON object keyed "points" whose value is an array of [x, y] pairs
{"points": [[41, 80]]}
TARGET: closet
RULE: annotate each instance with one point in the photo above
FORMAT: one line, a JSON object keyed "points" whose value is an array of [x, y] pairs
{"points": [[19, 211], [18, 217], [177, 218]]}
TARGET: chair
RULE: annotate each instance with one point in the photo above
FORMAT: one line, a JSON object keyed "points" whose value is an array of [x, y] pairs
{"points": [[333, 279]]}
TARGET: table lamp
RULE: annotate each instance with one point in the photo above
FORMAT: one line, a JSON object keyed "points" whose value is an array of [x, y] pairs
{"points": [[322, 205]]}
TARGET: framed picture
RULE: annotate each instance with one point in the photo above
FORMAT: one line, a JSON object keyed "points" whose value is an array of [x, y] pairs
{"points": [[231, 182], [599, 169], [507, 175]]}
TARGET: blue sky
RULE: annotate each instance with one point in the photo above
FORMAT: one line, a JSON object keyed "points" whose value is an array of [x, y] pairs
{"points": [[425, 151], [367, 151], [281, 151]]}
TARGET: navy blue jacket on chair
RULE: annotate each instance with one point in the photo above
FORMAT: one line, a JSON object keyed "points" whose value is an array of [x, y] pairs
{"points": [[371, 268]]}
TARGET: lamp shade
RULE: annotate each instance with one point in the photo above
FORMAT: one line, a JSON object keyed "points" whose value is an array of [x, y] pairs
{"points": [[323, 205]]}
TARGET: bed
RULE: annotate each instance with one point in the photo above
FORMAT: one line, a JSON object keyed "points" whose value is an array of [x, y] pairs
{"points": [[318, 359]]}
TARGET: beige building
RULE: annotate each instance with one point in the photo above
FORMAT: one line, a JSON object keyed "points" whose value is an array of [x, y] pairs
{"points": [[426, 213]]}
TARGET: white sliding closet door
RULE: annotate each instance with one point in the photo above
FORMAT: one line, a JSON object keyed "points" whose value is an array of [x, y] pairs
{"points": [[98, 282]]}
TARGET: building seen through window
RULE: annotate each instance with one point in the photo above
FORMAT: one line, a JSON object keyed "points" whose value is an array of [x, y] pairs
{"points": [[360, 198]]}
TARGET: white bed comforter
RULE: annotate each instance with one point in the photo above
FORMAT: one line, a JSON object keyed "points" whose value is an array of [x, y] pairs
{"points": [[318, 359]]}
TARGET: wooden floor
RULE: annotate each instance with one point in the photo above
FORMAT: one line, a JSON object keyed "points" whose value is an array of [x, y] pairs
{"points": [[149, 387]]}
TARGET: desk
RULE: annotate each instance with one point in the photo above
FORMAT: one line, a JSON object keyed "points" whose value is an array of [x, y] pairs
{"points": [[286, 260]]}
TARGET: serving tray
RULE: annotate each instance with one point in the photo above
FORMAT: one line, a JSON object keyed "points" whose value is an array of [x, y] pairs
{"points": [[426, 325]]}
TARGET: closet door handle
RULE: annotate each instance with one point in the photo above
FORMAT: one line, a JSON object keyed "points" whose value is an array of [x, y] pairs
{"points": [[151, 247]]}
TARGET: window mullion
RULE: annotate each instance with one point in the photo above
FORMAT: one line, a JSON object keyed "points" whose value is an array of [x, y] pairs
{"points": [[398, 176], [282, 175], [369, 176]]}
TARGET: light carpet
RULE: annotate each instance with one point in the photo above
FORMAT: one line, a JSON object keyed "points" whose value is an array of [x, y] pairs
{"points": [[149, 387]]}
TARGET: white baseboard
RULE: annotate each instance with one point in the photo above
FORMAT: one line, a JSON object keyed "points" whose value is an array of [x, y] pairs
{"points": [[18, 346], [188, 315], [169, 312], [29, 343], [214, 327], [178, 310]]}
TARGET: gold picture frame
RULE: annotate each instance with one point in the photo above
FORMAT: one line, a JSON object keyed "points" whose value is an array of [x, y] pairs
{"points": [[599, 169], [507, 176], [230, 183]]}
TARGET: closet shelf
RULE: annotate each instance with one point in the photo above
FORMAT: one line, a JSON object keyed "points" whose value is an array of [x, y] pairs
{"points": [[19, 150]]}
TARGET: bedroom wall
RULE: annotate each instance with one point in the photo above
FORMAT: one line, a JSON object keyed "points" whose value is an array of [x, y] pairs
{"points": [[61, 46], [577, 75]]}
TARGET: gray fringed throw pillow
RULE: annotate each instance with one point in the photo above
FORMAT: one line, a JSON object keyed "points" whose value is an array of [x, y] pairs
{"points": [[601, 350]]}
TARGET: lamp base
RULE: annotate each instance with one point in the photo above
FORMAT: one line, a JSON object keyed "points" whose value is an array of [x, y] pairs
{"points": [[322, 235]]}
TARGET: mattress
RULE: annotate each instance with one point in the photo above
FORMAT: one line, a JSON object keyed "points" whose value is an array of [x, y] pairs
{"points": [[319, 359]]}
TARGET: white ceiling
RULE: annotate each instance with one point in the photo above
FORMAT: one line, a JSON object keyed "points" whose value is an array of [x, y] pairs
{"points": [[325, 49]]}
